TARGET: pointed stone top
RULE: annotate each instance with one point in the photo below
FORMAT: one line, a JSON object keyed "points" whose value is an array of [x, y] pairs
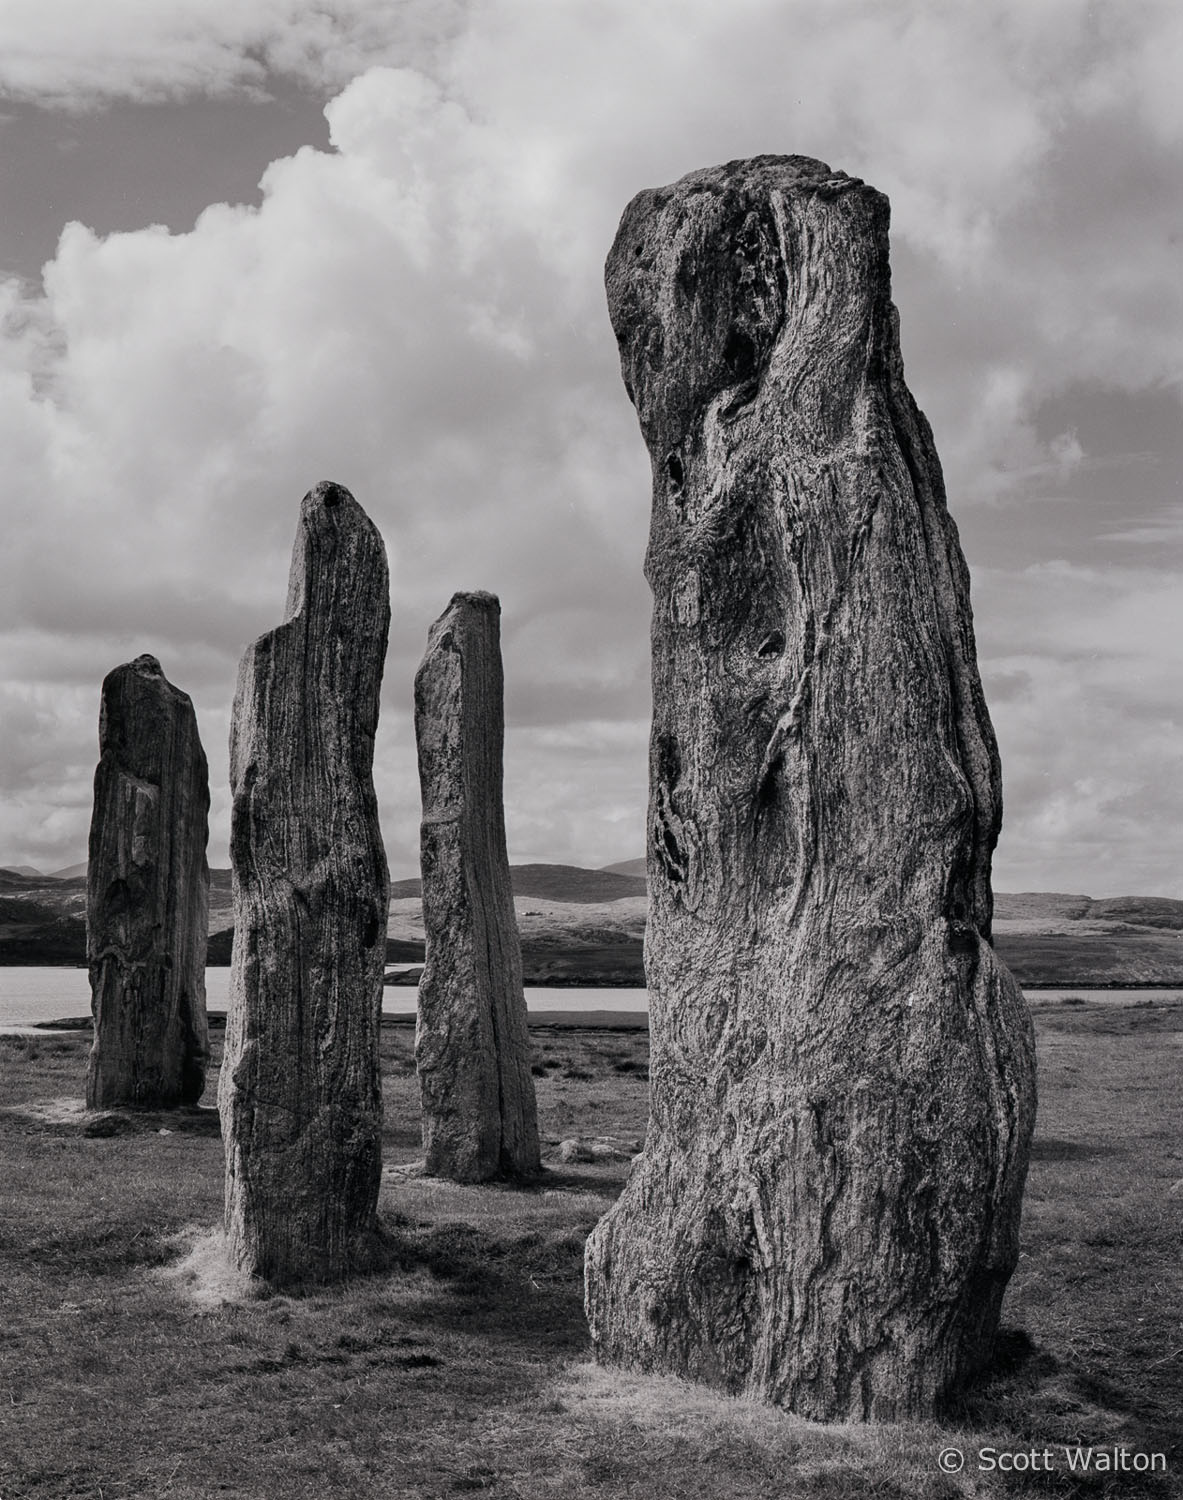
{"points": [[335, 542], [131, 680], [329, 494], [146, 666], [331, 505], [140, 715]]}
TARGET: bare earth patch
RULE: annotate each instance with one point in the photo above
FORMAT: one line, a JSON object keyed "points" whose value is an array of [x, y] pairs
{"points": [[60, 1111]]}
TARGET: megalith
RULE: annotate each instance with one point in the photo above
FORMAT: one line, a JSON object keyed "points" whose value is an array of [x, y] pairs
{"points": [[300, 1092], [472, 1048], [147, 896], [826, 1211]]}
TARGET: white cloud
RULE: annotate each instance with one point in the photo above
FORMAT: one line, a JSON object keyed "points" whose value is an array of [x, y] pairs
{"points": [[1089, 726], [419, 314], [385, 319], [1163, 531], [78, 55]]}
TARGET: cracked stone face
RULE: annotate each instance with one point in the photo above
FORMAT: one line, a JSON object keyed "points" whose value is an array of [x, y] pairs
{"points": [[826, 1211], [472, 1047], [147, 896], [300, 1092]]}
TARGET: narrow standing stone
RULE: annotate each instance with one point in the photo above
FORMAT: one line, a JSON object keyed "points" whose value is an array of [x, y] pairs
{"points": [[826, 1213], [300, 1093], [472, 1048], [147, 896]]}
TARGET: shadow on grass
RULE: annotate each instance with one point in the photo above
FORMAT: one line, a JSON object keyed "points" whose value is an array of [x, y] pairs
{"points": [[92, 1249], [525, 1287], [1046, 1402]]}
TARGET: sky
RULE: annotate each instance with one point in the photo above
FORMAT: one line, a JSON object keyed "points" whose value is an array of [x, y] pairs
{"points": [[246, 245]]}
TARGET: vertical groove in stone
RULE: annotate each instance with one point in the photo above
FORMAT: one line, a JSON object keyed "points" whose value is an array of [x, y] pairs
{"points": [[300, 1091], [842, 1078], [472, 1048], [147, 894]]}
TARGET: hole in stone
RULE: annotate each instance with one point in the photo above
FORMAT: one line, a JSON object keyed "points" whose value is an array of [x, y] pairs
{"points": [[739, 353], [766, 791], [674, 469], [333, 497], [772, 645], [671, 857], [669, 761], [117, 898], [639, 250]]}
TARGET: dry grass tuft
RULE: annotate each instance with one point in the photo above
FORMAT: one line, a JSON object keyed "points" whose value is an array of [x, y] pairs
{"points": [[204, 1275]]}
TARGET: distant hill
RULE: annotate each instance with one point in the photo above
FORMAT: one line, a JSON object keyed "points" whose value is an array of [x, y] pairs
{"points": [[554, 883], [28, 870], [1054, 909], [61, 895], [34, 930], [1049, 938], [571, 883]]}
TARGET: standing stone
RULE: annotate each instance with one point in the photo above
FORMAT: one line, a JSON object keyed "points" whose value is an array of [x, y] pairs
{"points": [[300, 1092], [472, 1049], [147, 896], [826, 1213]]}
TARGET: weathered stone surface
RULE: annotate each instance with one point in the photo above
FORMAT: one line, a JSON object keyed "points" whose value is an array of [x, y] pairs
{"points": [[826, 1213], [147, 896], [300, 1094], [472, 1048]]}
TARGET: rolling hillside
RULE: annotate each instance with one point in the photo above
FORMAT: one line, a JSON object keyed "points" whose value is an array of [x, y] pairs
{"points": [[42, 919], [583, 926], [569, 883]]}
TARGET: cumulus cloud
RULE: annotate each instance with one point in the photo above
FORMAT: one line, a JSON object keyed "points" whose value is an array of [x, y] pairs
{"points": [[76, 55], [386, 318], [418, 314], [1087, 716]]}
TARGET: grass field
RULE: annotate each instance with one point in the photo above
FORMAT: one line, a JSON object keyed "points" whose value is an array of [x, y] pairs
{"points": [[462, 1366]]}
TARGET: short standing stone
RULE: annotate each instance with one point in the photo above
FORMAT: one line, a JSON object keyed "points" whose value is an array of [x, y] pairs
{"points": [[147, 896], [472, 1048], [300, 1092], [826, 1212]]}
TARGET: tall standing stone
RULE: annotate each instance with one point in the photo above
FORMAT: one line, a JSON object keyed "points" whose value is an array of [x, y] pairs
{"points": [[147, 896], [826, 1213], [300, 1092], [472, 1049]]}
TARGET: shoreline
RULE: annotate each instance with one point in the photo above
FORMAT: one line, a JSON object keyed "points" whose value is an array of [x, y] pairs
{"points": [[636, 982], [604, 1019], [598, 1020]]}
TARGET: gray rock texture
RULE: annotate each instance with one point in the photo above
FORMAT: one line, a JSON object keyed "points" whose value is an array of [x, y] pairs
{"points": [[300, 1095], [472, 1048], [147, 896], [826, 1213]]}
